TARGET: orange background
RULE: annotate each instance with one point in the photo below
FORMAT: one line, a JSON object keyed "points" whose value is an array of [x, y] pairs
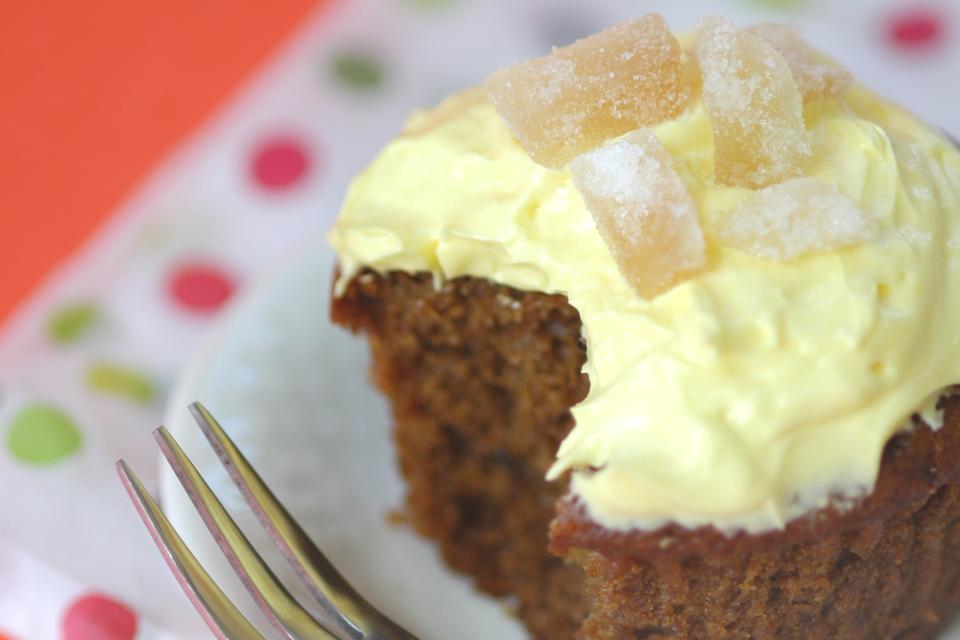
{"points": [[93, 93]]}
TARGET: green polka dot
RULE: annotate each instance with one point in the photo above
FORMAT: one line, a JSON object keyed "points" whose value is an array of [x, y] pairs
{"points": [[358, 70], [41, 435], [121, 381], [70, 322]]}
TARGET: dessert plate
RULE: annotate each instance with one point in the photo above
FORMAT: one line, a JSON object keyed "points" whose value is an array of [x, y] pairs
{"points": [[293, 392]]}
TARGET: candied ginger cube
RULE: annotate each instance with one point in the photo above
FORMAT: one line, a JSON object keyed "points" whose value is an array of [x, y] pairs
{"points": [[643, 211], [755, 108], [628, 76], [798, 216], [815, 76]]}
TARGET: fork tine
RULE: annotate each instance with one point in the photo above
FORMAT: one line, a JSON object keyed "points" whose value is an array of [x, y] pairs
{"points": [[277, 604], [344, 606], [214, 607]]}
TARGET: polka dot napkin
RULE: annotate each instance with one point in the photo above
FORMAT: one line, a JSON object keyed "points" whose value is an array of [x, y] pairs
{"points": [[86, 364]]}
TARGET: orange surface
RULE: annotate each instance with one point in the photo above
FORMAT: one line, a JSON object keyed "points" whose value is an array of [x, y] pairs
{"points": [[91, 96]]}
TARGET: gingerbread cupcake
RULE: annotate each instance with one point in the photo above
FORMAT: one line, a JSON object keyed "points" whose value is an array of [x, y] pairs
{"points": [[668, 327]]}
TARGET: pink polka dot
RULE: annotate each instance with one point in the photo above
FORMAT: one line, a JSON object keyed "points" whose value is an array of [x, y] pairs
{"points": [[916, 28], [279, 163], [97, 617], [201, 287]]}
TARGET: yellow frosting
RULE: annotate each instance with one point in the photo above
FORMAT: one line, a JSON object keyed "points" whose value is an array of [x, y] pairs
{"points": [[745, 396]]}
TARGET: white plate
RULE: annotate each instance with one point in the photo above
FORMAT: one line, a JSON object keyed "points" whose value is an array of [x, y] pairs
{"points": [[293, 392]]}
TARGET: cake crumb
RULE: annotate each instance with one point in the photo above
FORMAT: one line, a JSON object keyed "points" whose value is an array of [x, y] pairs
{"points": [[397, 518]]}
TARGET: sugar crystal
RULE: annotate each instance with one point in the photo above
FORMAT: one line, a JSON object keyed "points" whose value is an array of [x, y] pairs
{"points": [[798, 216], [755, 108], [643, 211], [815, 77], [626, 77]]}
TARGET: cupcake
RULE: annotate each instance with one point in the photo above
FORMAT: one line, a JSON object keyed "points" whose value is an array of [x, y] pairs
{"points": [[668, 325]]}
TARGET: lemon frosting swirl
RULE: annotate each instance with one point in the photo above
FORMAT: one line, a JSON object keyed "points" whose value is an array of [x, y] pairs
{"points": [[744, 397]]}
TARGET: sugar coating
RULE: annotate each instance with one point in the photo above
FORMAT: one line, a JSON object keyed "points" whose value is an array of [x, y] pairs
{"points": [[814, 77], [798, 216], [628, 76], [643, 211], [755, 108]]}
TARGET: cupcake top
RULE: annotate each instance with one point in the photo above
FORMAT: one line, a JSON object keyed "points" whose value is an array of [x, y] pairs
{"points": [[765, 257]]}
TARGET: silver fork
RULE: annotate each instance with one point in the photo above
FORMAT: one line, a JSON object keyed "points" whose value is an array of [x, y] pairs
{"points": [[344, 614]]}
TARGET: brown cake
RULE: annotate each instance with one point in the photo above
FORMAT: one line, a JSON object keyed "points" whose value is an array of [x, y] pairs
{"points": [[474, 440], [482, 367]]}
